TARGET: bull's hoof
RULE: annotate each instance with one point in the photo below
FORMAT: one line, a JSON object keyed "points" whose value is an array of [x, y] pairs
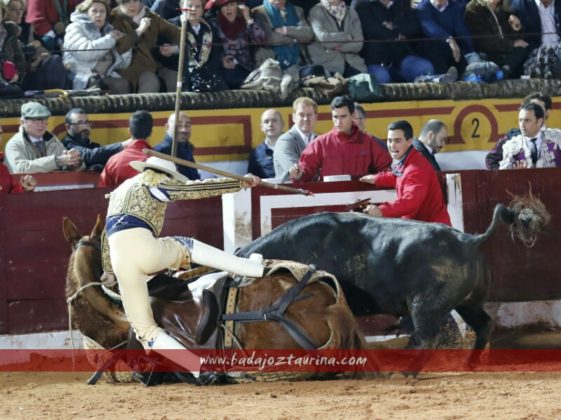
{"points": [[410, 374], [211, 378]]}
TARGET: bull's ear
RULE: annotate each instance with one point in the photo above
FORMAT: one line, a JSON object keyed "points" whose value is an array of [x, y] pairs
{"points": [[70, 231], [98, 227]]}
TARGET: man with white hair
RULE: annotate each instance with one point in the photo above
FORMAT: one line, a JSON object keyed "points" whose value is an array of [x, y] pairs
{"points": [[184, 146], [33, 149], [134, 252]]}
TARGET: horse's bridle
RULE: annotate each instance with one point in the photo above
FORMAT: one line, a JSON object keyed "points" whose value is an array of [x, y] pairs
{"points": [[87, 242], [276, 311]]}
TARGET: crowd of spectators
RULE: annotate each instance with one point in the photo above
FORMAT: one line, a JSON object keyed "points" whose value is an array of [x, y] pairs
{"points": [[132, 46]]}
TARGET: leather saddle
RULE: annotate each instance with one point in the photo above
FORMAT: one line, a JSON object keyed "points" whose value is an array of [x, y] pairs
{"points": [[192, 321]]}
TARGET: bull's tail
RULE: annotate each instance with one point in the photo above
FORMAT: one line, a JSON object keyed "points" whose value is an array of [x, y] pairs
{"points": [[500, 214], [526, 217]]}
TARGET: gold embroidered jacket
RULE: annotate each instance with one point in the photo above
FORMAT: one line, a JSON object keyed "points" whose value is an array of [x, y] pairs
{"points": [[141, 201]]}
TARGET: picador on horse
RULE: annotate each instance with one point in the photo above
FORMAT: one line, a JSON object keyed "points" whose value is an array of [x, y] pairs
{"points": [[133, 252]]}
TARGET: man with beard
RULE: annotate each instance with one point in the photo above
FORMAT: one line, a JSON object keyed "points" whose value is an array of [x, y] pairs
{"points": [[77, 137], [431, 140], [184, 145]]}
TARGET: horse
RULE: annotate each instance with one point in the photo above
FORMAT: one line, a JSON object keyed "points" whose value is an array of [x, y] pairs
{"points": [[292, 307], [404, 267]]}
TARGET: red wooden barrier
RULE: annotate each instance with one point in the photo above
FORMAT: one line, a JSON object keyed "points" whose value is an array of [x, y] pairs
{"points": [[34, 254]]}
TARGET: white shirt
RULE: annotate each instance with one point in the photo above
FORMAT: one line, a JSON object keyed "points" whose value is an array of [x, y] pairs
{"points": [[441, 8], [307, 138], [539, 140], [547, 19]]}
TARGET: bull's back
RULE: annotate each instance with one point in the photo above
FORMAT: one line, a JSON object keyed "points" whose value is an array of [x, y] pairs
{"points": [[379, 262]]}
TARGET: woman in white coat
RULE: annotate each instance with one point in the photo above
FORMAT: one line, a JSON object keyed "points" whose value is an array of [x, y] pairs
{"points": [[89, 49]]}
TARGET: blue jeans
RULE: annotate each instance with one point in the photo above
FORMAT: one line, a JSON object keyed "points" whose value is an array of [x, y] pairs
{"points": [[411, 66], [381, 74]]}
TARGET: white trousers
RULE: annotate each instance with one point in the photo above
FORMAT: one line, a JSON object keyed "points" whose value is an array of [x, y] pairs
{"points": [[136, 256]]}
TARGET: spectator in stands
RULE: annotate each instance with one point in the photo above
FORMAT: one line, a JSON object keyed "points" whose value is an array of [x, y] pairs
{"points": [[184, 146], [387, 25], [90, 53], [345, 150], [338, 38], [12, 58], [43, 70], [359, 119], [117, 168], [261, 158], [291, 144], [9, 183], [541, 21], [143, 31], [431, 140], [49, 18], [167, 9], [419, 194], [15, 11], [449, 44], [495, 155], [204, 52], [237, 31], [33, 149], [77, 137], [287, 31], [534, 147], [496, 32]]}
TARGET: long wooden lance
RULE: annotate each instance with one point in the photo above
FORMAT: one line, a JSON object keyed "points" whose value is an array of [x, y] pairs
{"points": [[180, 68], [220, 172]]}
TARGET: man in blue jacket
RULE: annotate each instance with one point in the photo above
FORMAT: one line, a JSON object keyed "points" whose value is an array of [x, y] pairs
{"points": [[184, 145], [449, 43]]}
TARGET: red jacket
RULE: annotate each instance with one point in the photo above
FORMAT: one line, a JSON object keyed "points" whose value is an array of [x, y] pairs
{"points": [[335, 153], [419, 194], [8, 184], [42, 14], [117, 169]]}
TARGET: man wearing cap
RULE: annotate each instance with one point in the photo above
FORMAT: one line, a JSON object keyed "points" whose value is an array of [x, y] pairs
{"points": [[117, 168], [133, 252], [33, 149]]}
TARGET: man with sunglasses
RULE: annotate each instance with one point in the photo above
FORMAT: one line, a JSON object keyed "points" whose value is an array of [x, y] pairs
{"points": [[78, 130], [33, 149]]}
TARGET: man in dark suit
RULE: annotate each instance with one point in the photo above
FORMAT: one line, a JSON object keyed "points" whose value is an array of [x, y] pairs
{"points": [[544, 32], [432, 138]]}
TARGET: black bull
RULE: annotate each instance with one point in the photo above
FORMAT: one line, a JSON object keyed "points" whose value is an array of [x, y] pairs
{"points": [[394, 266]]}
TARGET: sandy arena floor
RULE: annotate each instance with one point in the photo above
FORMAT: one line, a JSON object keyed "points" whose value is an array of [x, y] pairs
{"points": [[447, 396]]}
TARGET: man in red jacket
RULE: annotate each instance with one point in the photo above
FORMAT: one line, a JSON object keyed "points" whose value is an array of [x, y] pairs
{"points": [[49, 19], [419, 194], [345, 150], [117, 168]]}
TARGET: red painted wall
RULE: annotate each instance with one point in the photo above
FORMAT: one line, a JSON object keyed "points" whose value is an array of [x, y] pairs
{"points": [[34, 253]]}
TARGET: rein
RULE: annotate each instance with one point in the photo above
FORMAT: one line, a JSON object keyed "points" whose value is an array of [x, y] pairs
{"points": [[82, 242], [276, 311]]}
